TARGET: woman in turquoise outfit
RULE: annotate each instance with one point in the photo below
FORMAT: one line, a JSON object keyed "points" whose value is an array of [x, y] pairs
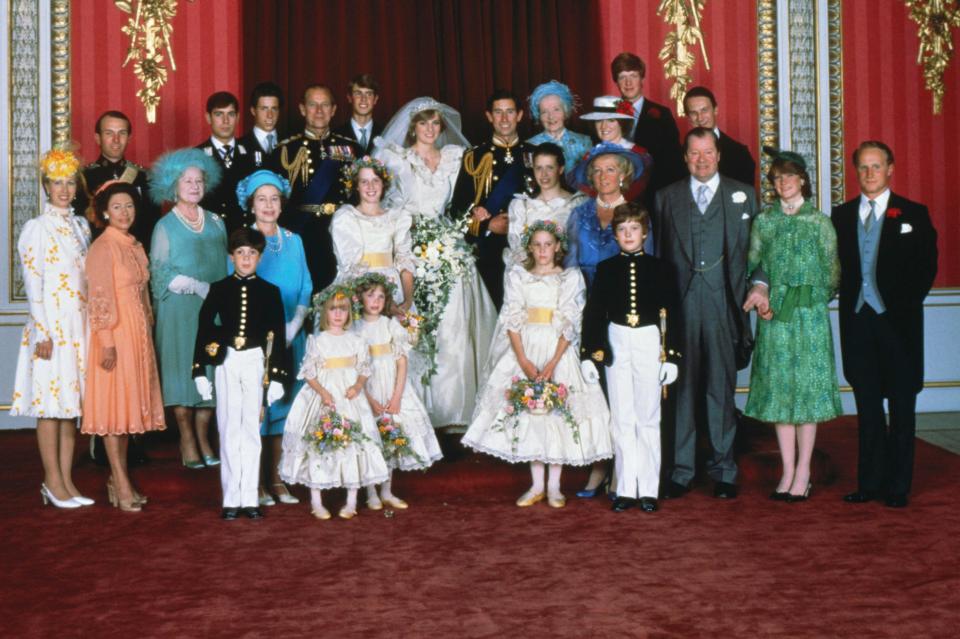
{"points": [[283, 264], [188, 252], [552, 104], [793, 381]]}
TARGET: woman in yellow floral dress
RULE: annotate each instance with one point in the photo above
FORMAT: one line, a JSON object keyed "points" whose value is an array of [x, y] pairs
{"points": [[51, 365]]}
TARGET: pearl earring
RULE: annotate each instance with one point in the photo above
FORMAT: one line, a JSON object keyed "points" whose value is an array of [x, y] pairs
{"points": [[106, 216]]}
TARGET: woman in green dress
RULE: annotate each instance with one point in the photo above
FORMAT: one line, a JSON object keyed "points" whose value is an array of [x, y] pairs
{"points": [[187, 253], [793, 381]]}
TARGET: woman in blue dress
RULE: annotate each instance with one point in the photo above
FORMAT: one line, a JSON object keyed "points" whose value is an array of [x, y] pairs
{"points": [[610, 170], [188, 251], [283, 264], [552, 104]]}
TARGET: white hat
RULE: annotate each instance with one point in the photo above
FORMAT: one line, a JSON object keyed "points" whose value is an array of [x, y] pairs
{"points": [[610, 107]]}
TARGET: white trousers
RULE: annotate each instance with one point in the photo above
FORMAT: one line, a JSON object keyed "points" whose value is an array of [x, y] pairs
{"points": [[239, 384], [633, 386]]}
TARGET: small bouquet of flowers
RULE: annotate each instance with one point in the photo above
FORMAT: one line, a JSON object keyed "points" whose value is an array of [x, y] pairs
{"points": [[334, 432], [395, 442], [412, 322], [537, 398]]}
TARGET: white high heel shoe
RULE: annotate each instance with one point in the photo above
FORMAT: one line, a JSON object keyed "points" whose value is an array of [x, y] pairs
{"points": [[49, 498], [83, 501]]}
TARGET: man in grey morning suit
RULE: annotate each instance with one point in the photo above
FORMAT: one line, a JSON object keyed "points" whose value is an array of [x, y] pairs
{"points": [[701, 225]]}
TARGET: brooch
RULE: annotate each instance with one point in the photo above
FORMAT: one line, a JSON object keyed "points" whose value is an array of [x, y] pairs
{"points": [[212, 349]]}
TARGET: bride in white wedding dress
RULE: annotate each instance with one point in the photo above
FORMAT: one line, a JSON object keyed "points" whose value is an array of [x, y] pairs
{"points": [[422, 147]]}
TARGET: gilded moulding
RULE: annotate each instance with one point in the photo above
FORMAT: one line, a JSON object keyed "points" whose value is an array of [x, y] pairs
{"points": [[60, 73], [934, 19], [767, 84], [676, 56]]}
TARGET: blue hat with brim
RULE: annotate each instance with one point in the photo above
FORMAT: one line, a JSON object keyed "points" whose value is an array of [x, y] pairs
{"points": [[578, 179], [249, 185]]}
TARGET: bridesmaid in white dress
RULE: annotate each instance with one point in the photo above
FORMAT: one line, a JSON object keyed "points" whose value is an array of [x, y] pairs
{"points": [[52, 361], [538, 338], [552, 202], [367, 237], [422, 147]]}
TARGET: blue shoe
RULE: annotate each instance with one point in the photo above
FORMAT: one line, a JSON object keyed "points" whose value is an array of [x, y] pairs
{"points": [[194, 464], [211, 460], [590, 493]]}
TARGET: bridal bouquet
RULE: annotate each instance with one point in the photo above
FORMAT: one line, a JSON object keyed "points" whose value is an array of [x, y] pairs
{"points": [[443, 257], [395, 442], [333, 432], [536, 398]]}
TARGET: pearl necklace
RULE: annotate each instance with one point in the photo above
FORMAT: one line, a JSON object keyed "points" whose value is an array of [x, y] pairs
{"points": [[196, 227], [620, 200], [789, 208]]}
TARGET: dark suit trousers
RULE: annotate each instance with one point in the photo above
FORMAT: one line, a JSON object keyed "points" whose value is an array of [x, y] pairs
{"points": [[885, 463], [706, 385], [490, 264]]}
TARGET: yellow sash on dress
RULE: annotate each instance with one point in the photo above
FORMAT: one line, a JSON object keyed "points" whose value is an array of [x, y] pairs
{"points": [[539, 315], [377, 260], [378, 350], [340, 362]]}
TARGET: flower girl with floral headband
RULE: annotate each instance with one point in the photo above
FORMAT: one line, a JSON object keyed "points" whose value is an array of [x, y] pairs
{"points": [[406, 434], [330, 439], [535, 405]]}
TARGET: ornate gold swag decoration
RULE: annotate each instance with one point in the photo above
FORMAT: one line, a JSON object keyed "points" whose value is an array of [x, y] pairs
{"points": [[149, 27], [675, 54], [934, 20]]}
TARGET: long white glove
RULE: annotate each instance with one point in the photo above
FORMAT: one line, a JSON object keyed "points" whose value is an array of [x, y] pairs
{"points": [[204, 387], [668, 373], [590, 374], [274, 392], [186, 285], [295, 324]]}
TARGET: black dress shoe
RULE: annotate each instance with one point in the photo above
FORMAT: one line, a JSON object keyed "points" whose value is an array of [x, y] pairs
{"points": [[673, 490], [896, 501], [725, 490], [252, 513], [859, 497], [620, 504], [648, 504], [778, 496], [230, 514]]}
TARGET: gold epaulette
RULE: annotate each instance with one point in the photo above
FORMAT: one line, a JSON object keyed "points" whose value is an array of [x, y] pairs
{"points": [[292, 138]]}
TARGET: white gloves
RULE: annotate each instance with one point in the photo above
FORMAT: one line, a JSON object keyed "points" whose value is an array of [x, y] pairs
{"points": [[186, 285], [204, 387], [668, 373], [294, 325], [590, 374], [274, 392]]}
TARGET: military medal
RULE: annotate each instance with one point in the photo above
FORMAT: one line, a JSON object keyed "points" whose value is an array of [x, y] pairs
{"points": [[508, 158]]}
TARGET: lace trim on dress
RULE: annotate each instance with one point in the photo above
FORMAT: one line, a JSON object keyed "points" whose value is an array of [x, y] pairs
{"points": [[101, 309]]}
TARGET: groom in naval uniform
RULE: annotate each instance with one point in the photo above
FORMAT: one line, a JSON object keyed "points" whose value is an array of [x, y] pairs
{"points": [[491, 174], [313, 161], [888, 261], [702, 228]]}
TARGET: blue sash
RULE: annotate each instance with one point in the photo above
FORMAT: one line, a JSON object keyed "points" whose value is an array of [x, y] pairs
{"points": [[509, 183], [326, 174]]}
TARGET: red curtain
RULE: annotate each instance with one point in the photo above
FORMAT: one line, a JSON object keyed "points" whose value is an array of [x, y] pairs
{"points": [[457, 52], [208, 59], [884, 99]]}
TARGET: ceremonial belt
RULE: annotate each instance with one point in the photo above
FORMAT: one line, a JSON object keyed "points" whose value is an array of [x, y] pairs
{"points": [[539, 315], [340, 362], [377, 260], [324, 209], [632, 320], [379, 350]]}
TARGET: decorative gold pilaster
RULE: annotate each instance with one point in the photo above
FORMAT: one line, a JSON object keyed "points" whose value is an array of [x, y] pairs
{"points": [[835, 79], [677, 58], [149, 27], [934, 19], [767, 81], [60, 72]]}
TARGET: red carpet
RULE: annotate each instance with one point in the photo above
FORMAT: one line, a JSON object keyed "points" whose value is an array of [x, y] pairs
{"points": [[465, 562]]}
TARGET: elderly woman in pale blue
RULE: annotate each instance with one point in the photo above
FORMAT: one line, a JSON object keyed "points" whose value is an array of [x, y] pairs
{"points": [[552, 104], [283, 264]]}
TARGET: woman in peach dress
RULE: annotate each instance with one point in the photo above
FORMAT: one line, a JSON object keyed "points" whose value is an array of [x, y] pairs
{"points": [[122, 394]]}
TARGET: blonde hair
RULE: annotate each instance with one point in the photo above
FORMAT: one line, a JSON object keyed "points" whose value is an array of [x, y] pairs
{"points": [[338, 300]]}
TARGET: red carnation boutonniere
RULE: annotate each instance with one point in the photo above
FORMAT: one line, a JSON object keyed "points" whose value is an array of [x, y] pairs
{"points": [[654, 112], [625, 107], [894, 213]]}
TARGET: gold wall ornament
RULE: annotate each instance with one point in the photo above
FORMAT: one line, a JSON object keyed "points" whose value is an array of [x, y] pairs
{"points": [[675, 54], [934, 19], [150, 26]]}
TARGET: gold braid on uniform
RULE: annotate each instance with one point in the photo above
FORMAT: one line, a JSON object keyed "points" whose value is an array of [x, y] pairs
{"points": [[299, 166], [482, 175]]}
